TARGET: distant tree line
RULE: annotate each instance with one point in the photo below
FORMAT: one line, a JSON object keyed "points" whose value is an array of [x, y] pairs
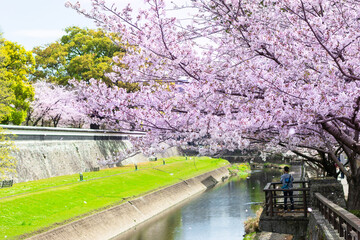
{"points": [[35, 86]]}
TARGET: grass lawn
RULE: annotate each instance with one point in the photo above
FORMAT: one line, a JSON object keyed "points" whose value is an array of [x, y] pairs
{"points": [[31, 206]]}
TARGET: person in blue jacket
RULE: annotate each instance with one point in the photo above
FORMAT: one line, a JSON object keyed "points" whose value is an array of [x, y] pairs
{"points": [[287, 183]]}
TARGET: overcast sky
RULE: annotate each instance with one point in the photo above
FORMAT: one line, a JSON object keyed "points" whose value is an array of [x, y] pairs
{"points": [[37, 22]]}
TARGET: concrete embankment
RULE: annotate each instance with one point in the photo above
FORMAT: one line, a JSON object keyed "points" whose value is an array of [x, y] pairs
{"points": [[111, 222]]}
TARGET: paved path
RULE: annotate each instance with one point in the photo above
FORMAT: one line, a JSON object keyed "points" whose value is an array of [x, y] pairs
{"points": [[295, 171], [345, 187]]}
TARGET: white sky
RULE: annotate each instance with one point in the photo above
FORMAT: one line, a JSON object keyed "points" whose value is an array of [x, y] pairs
{"points": [[34, 23]]}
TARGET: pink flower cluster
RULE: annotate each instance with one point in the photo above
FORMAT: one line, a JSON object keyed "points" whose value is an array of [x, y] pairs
{"points": [[55, 106], [284, 72]]}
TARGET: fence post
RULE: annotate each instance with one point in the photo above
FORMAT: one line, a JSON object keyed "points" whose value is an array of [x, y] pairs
{"points": [[348, 231], [326, 212], [332, 218], [275, 202], [353, 235], [305, 203], [344, 232], [271, 204], [341, 231], [266, 203], [337, 223]]}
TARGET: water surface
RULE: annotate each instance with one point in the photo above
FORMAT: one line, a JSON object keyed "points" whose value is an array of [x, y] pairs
{"points": [[219, 213]]}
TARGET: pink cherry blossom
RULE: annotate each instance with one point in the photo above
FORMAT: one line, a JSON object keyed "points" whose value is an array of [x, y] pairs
{"points": [[55, 105], [241, 72]]}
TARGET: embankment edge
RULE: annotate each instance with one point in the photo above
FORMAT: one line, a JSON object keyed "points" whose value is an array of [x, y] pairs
{"points": [[116, 220]]}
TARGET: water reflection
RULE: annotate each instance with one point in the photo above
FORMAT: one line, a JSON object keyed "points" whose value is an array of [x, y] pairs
{"points": [[216, 214]]}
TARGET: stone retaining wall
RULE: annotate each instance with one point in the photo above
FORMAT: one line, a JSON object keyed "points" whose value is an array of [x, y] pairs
{"points": [[330, 188], [45, 159], [294, 225], [44, 152], [320, 229], [110, 223]]}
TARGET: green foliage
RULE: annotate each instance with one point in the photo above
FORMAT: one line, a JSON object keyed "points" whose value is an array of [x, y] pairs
{"points": [[7, 162], [240, 169], [6, 97], [15, 91], [276, 165], [31, 206], [284, 165], [355, 212], [250, 236], [275, 157], [81, 54]]}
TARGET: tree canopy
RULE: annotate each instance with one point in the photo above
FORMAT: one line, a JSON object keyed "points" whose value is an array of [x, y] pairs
{"points": [[16, 92], [282, 73], [81, 54], [6, 95]]}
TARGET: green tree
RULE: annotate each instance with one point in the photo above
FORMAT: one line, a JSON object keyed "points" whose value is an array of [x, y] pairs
{"points": [[7, 161], [15, 90], [81, 54], [6, 95]]}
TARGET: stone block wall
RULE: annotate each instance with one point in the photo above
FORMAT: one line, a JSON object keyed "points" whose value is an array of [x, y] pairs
{"points": [[328, 187], [296, 226], [44, 159], [320, 229]]}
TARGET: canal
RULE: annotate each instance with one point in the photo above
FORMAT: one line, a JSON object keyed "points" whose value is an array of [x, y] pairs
{"points": [[219, 213]]}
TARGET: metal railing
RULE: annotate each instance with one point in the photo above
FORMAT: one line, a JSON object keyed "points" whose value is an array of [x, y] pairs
{"points": [[6, 183], [274, 198], [30, 133], [346, 223]]}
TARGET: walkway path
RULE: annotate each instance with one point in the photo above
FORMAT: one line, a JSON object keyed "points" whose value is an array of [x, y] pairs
{"points": [[345, 187], [295, 171]]}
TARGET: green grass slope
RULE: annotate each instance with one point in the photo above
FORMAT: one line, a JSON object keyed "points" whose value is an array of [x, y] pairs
{"points": [[32, 206]]}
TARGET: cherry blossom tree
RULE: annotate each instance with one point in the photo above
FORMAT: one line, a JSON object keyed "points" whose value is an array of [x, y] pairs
{"points": [[285, 72], [55, 105]]}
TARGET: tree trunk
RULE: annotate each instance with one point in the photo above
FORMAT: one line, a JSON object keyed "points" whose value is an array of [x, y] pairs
{"points": [[353, 202], [94, 126], [329, 167]]}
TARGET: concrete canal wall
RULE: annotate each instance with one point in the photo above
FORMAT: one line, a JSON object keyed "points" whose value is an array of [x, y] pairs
{"points": [[116, 220], [49, 152]]}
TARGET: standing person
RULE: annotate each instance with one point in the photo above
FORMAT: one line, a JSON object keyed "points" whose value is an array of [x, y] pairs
{"points": [[287, 183], [342, 161]]}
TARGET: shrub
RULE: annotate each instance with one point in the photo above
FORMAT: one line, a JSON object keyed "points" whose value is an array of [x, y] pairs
{"points": [[250, 236], [356, 213], [252, 223], [240, 169]]}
